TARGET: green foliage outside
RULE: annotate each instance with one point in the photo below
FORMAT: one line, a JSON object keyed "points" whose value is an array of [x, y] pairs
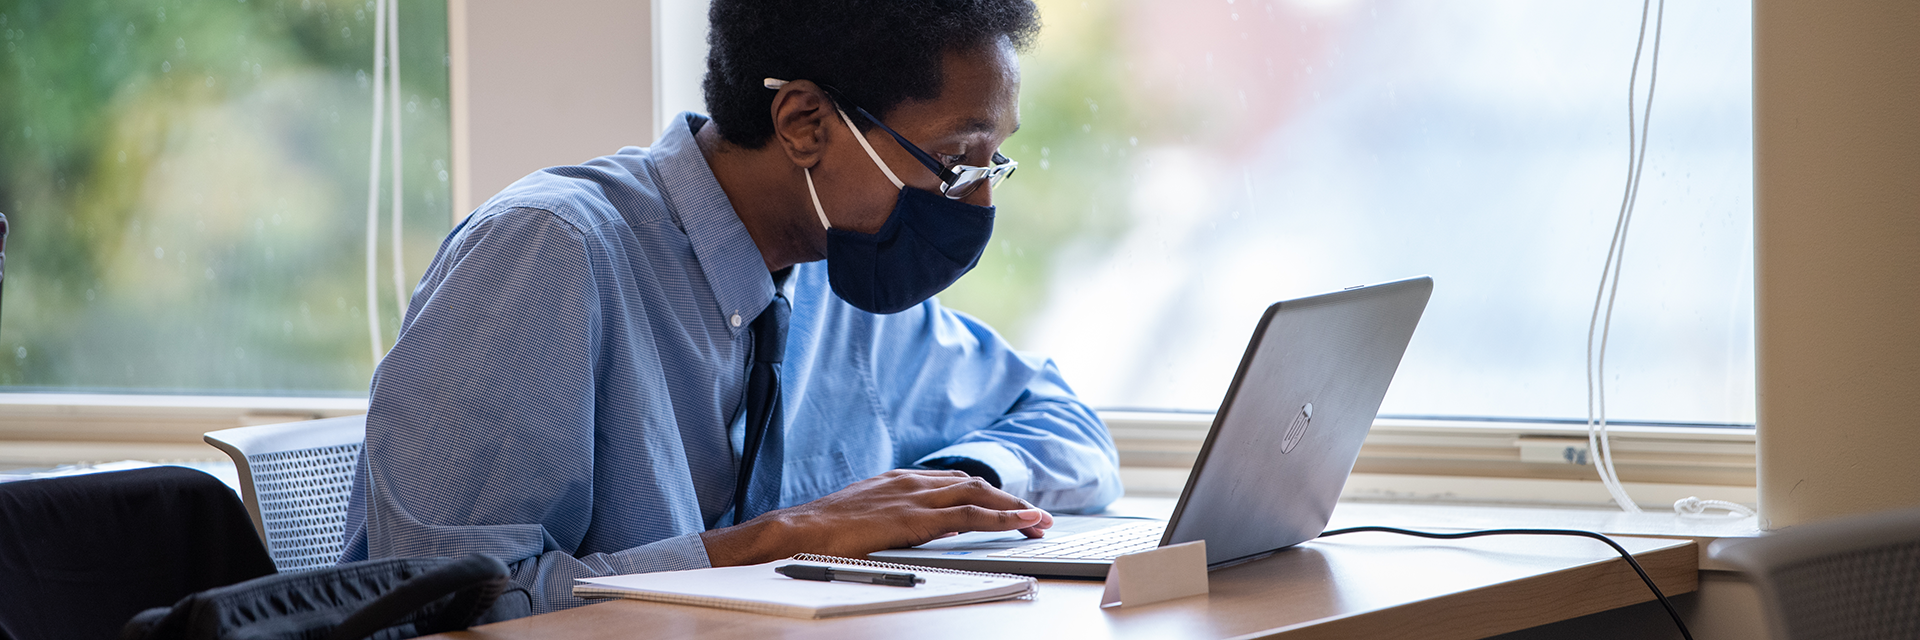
{"points": [[187, 186]]}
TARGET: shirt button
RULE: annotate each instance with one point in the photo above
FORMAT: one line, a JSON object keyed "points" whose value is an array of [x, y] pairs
{"points": [[735, 320]]}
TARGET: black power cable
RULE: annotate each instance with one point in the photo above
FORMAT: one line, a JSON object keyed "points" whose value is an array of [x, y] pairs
{"points": [[1537, 532]]}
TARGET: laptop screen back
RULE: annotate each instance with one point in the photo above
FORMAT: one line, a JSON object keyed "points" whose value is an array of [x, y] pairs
{"points": [[1291, 426]]}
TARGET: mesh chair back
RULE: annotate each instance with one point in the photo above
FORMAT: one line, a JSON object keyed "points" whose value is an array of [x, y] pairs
{"points": [[296, 479], [1856, 578]]}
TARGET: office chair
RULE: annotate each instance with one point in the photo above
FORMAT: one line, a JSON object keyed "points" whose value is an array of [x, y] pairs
{"points": [[296, 479], [1855, 578]]}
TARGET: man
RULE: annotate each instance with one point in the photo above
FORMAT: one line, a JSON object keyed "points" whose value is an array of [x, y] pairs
{"points": [[641, 363]]}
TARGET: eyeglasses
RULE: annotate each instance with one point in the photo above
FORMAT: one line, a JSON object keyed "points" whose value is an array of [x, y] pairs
{"points": [[956, 182]]}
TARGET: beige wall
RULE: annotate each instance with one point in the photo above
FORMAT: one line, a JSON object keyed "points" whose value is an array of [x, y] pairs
{"points": [[1837, 247], [545, 83]]}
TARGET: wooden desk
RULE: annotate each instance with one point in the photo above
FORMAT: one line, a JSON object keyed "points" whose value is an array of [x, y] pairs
{"points": [[1365, 585]]}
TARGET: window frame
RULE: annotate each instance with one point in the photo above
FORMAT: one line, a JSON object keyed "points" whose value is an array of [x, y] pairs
{"points": [[1402, 460]]}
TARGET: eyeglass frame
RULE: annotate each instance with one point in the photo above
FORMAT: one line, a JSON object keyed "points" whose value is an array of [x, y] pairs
{"points": [[950, 179]]}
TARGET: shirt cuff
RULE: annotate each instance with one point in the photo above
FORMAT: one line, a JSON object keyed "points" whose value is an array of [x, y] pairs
{"points": [[677, 553], [1015, 477]]}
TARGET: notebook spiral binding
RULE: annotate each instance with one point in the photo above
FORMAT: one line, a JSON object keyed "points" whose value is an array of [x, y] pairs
{"points": [[812, 557]]}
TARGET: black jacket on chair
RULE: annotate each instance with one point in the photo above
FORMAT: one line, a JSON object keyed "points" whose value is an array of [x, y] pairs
{"points": [[81, 555]]}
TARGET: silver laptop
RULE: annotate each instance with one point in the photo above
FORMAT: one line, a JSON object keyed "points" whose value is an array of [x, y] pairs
{"points": [[1280, 450]]}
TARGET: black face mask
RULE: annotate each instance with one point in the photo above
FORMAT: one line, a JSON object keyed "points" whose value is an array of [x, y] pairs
{"points": [[927, 243]]}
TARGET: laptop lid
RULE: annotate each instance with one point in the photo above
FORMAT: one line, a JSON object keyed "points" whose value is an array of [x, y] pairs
{"points": [[1289, 431], [1272, 467]]}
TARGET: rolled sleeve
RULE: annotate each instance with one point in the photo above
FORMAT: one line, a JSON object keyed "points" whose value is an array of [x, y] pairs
{"points": [[1015, 477], [954, 387]]}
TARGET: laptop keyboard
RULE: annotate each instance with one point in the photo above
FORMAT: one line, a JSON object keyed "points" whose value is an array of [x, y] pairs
{"points": [[1100, 544]]}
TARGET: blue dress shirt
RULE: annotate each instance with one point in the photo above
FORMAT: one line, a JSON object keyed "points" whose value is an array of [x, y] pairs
{"points": [[568, 386]]}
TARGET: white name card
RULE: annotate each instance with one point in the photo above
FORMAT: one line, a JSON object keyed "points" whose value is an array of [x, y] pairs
{"points": [[1159, 575]]}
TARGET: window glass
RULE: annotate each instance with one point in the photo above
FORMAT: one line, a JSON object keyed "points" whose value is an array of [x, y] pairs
{"points": [[1185, 163], [187, 184]]}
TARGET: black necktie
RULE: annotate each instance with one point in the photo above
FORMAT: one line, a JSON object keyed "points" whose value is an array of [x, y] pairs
{"points": [[761, 457]]}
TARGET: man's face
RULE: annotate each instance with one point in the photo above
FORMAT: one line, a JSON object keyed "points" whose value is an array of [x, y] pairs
{"points": [[977, 109]]}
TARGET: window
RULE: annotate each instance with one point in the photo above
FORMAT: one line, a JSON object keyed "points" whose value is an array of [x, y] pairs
{"points": [[188, 188], [1185, 164]]}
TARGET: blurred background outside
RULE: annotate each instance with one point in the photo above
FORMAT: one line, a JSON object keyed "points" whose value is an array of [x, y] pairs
{"points": [[187, 183]]}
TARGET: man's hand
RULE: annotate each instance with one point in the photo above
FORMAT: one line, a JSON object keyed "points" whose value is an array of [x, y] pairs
{"points": [[899, 508]]}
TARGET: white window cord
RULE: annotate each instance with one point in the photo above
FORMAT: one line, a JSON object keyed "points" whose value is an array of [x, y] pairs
{"points": [[386, 48], [1597, 440], [1695, 507], [1608, 293], [400, 289]]}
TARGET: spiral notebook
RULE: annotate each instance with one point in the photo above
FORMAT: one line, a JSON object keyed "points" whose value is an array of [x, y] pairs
{"points": [[758, 589]]}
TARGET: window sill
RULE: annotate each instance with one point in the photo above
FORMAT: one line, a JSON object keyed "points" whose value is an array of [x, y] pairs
{"points": [[1426, 462], [1460, 462], [1704, 531]]}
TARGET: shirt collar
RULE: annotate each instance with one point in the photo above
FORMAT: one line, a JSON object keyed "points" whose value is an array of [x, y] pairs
{"points": [[727, 256]]}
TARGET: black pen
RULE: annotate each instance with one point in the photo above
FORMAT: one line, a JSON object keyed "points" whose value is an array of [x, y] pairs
{"points": [[828, 574]]}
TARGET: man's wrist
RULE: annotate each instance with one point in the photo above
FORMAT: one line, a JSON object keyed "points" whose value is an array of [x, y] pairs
{"points": [[757, 540]]}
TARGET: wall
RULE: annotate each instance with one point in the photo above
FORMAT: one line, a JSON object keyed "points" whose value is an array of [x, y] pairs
{"points": [[1837, 246], [537, 84]]}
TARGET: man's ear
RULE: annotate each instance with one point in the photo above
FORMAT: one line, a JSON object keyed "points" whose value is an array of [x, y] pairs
{"points": [[802, 119]]}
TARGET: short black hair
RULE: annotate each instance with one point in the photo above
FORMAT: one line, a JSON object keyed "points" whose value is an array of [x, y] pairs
{"points": [[875, 53]]}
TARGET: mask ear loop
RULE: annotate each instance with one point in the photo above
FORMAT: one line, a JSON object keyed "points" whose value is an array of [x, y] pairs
{"points": [[897, 184], [775, 83], [816, 199]]}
